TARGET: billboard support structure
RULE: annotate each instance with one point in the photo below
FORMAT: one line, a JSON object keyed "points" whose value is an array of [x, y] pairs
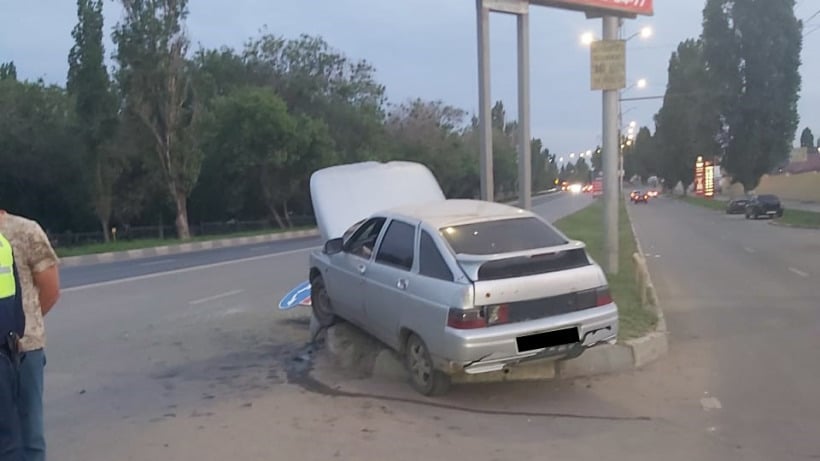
{"points": [[610, 11]]}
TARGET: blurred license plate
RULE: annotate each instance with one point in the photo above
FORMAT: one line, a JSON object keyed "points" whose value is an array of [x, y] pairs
{"points": [[548, 339]]}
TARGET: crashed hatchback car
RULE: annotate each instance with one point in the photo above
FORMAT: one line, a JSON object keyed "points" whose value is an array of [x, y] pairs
{"points": [[454, 286]]}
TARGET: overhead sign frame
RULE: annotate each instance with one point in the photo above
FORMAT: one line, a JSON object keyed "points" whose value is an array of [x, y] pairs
{"points": [[599, 8]]}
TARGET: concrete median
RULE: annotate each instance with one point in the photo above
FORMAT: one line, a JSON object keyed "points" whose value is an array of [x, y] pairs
{"points": [[149, 252]]}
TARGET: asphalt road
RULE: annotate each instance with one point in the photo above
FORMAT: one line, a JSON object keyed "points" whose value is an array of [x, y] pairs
{"points": [[192, 360], [741, 300], [101, 274]]}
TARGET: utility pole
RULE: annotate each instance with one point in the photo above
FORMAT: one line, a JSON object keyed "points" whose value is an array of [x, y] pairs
{"points": [[611, 150]]}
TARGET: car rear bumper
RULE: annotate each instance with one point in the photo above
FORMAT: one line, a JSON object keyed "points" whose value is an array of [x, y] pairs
{"points": [[491, 349]]}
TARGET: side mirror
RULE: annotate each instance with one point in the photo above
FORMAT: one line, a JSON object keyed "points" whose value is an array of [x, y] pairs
{"points": [[333, 246]]}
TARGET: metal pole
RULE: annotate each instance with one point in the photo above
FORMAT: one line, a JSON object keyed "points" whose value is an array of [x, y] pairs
{"points": [[484, 116], [524, 146], [620, 148], [610, 153]]}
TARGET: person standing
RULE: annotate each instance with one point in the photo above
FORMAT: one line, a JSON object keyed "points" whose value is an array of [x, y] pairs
{"points": [[12, 327], [37, 266]]}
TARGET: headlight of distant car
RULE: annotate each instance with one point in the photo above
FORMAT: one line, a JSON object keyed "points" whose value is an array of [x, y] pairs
{"points": [[575, 188]]}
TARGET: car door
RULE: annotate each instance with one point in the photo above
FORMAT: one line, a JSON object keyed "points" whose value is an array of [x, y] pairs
{"points": [[388, 279], [345, 278]]}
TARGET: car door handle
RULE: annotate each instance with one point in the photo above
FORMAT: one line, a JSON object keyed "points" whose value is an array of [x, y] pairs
{"points": [[401, 284], [362, 268]]}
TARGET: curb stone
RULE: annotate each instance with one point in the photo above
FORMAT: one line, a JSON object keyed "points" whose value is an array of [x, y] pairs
{"points": [[350, 347], [127, 255]]}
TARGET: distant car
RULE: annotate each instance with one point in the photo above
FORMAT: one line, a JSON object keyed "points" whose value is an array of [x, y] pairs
{"points": [[639, 197], [764, 205], [455, 286], [653, 193], [737, 206]]}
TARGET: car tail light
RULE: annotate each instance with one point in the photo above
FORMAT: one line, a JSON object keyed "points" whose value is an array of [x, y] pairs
{"points": [[603, 296], [478, 317], [466, 319], [497, 314]]}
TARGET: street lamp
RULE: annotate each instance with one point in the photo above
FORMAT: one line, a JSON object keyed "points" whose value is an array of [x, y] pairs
{"points": [[587, 38], [644, 33]]}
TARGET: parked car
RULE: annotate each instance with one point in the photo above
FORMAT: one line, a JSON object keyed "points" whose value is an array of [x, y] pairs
{"points": [[764, 205], [454, 286], [638, 196], [737, 206]]}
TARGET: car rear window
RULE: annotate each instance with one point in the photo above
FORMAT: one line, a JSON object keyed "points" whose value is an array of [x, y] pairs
{"points": [[768, 199], [501, 236]]}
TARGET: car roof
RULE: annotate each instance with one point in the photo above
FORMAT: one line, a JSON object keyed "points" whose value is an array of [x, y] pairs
{"points": [[455, 212]]}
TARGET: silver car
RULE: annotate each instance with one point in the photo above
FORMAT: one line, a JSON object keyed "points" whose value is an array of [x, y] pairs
{"points": [[460, 286]]}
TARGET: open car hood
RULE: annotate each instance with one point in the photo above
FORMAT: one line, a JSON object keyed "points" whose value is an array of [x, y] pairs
{"points": [[345, 194]]}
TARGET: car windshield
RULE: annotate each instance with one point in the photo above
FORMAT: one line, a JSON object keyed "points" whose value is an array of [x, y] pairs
{"points": [[768, 199], [501, 236]]}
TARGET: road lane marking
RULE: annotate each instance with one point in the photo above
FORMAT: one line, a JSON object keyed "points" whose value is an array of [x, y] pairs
{"points": [[137, 278], [156, 263], [748, 250], [798, 272], [710, 403], [214, 297]]}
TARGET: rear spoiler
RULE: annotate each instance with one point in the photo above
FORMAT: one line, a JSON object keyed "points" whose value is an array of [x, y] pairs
{"points": [[523, 263]]}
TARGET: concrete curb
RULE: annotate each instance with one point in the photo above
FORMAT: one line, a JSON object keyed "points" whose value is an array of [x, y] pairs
{"points": [[128, 255], [353, 349]]}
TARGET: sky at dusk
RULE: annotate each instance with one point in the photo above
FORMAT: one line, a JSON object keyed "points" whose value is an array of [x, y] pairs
{"points": [[427, 49]]}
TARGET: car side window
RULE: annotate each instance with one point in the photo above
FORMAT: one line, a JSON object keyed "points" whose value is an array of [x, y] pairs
{"points": [[363, 241], [431, 263], [397, 248]]}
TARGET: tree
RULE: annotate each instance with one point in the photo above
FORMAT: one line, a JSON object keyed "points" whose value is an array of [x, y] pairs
{"points": [[433, 133], [643, 158], [752, 53], [807, 138], [257, 138], [686, 123], [41, 154], [539, 166], [582, 171], [96, 107], [597, 159], [8, 71], [315, 80], [156, 82]]}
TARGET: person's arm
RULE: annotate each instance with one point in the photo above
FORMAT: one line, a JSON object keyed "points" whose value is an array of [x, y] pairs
{"points": [[48, 284], [43, 263]]}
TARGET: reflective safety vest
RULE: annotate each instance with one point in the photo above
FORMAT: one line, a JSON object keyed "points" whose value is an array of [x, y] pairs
{"points": [[12, 316]]}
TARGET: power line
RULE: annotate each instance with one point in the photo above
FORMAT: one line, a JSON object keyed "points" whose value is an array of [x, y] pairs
{"points": [[811, 17]]}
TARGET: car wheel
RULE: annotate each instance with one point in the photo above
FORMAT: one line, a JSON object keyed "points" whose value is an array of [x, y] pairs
{"points": [[320, 302], [425, 379]]}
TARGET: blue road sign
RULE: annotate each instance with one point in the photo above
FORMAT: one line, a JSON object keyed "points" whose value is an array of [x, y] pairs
{"points": [[298, 296]]}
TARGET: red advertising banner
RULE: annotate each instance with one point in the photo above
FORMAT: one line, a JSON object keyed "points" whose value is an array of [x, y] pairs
{"points": [[643, 7]]}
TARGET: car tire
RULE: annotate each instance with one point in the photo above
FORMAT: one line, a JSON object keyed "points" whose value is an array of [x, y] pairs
{"points": [[424, 378], [320, 303]]}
